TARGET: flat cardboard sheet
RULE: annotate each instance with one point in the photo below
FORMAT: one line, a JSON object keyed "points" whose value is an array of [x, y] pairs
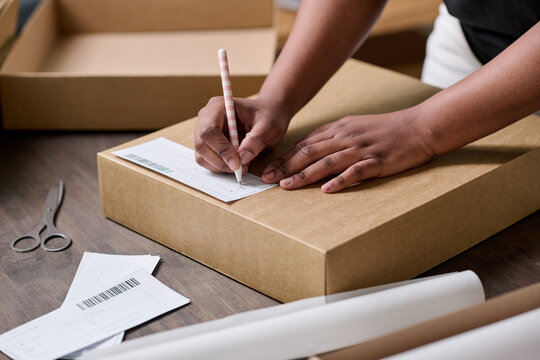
{"points": [[493, 310], [513, 338], [303, 243]]}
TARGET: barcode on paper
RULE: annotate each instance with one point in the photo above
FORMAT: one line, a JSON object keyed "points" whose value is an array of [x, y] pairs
{"points": [[108, 294], [150, 164]]}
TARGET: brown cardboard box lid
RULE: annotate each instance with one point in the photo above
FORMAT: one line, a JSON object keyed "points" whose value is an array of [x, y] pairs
{"points": [[293, 244], [334, 219]]}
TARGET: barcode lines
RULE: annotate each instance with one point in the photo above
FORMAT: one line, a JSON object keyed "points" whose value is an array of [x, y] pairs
{"points": [[146, 162], [108, 294]]}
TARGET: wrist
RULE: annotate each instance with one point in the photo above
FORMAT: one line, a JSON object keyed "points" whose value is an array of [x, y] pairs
{"points": [[278, 102], [421, 125]]}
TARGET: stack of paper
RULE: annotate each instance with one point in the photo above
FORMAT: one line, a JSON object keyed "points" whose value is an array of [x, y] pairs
{"points": [[97, 271], [109, 294]]}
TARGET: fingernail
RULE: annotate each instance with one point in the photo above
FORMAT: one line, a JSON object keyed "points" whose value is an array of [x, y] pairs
{"points": [[246, 157], [233, 165], [326, 187], [286, 182], [269, 175], [268, 169]]}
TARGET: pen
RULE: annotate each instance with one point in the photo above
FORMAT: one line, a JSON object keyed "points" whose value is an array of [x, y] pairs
{"points": [[229, 106]]}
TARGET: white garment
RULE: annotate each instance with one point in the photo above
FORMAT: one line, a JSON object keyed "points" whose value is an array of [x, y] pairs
{"points": [[448, 55]]}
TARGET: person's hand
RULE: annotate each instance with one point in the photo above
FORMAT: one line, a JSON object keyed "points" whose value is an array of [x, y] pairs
{"points": [[263, 122], [354, 148]]}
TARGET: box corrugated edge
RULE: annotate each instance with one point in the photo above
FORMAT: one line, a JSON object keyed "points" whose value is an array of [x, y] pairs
{"points": [[407, 246], [92, 102], [271, 263]]}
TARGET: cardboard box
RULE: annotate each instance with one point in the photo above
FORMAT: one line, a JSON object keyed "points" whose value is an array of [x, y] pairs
{"points": [[131, 64], [295, 244], [9, 11]]}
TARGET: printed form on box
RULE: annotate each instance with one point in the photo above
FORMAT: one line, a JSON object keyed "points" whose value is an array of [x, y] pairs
{"points": [[178, 162]]}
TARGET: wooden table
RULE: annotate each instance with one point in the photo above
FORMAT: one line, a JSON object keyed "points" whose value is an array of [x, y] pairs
{"points": [[34, 283]]}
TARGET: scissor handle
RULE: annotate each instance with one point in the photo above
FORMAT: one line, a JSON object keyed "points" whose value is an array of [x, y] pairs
{"points": [[53, 235], [34, 246]]}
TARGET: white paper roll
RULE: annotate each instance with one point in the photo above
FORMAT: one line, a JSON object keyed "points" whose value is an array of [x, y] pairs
{"points": [[317, 329], [514, 338]]}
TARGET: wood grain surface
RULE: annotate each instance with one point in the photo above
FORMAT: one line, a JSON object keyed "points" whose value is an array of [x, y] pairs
{"points": [[34, 283]]}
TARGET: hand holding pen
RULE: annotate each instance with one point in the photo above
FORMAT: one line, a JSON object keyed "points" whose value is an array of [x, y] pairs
{"points": [[263, 121]]}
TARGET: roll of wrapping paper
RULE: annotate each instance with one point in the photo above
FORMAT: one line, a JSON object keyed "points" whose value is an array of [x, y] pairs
{"points": [[493, 310], [306, 332], [513, 338]]}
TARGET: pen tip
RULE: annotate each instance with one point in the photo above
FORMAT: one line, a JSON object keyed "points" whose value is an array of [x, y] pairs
{"points": [[221, 52], [238, 174]]}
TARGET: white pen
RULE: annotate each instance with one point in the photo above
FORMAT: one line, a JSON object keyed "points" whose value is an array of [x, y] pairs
{"points": [[229, 106]]}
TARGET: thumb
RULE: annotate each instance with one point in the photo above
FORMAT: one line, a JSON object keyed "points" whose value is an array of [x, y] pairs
{"points": [[256, 140]]}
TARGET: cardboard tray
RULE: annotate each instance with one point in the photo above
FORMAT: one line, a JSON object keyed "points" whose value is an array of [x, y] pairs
{"points": [[131, 64], [9, 11], [296, 244]]}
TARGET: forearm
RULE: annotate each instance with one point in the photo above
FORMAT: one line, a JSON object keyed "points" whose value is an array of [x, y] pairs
{"points": [[500, 93], [324, 35]]}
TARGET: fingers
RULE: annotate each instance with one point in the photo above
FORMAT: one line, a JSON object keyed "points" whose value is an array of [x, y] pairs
{"points": [[362, 170], [256, 140], [209, 166], [302, 155], [329, 165], [211, 145], [211, 160]]}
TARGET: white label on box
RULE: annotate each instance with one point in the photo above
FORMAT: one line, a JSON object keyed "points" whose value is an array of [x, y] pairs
{"points": [[178, 162]]}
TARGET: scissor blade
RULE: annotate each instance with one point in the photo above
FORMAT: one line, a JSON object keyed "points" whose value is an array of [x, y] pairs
{"points": [[60, 192], [54, 197]]}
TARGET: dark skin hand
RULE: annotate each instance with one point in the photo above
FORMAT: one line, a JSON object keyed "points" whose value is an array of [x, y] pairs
{"points": [[332, 25], [359, 147], [260, 119], [356, 148], [367, 146]]}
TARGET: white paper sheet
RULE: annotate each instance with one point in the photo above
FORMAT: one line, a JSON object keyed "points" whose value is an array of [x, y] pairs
{"points": [[178, 162], [315, 329], [515, 338], [98, 271], [135, 299]]}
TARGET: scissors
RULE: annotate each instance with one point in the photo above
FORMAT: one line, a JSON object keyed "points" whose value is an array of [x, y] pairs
{"points": [[46, 230]]}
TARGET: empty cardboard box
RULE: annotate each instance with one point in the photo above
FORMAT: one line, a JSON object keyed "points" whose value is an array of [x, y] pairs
{"points": [[131, 64], [295, 244], [9, 10]]}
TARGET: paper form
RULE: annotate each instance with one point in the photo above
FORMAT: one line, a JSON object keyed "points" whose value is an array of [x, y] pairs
{"points": [[178, 162], [132, 301], [97, 271]]}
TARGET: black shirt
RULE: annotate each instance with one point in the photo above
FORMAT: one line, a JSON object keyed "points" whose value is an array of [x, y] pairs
{"points": [[492, 25]]}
